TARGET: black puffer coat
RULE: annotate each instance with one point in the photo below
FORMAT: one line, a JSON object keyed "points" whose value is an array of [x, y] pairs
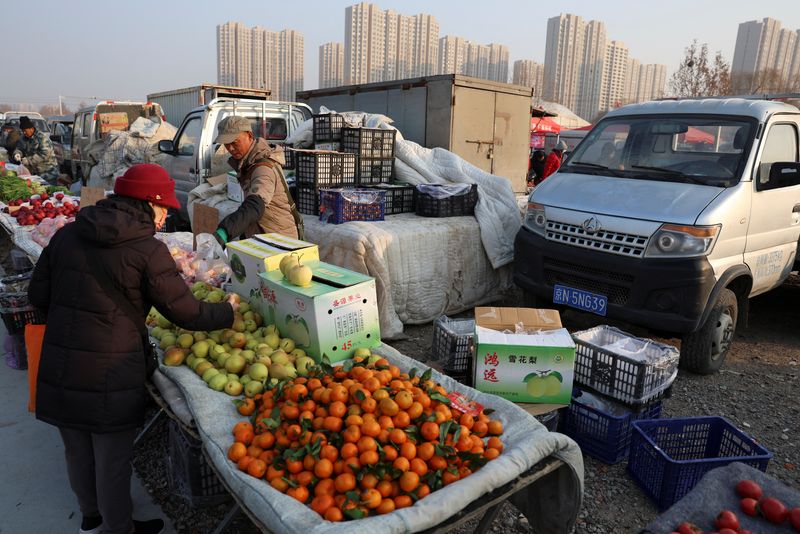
{"points": [[92, 368]]}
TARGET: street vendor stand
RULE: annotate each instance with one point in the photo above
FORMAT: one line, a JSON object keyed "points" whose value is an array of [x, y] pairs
{"points": [[540, 472]]}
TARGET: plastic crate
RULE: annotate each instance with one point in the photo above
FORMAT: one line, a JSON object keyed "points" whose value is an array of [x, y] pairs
{"points": [[189, 474], [324, 169], [637, 377], [15, 309], [428, 205], [288, 154], [399, 197], [307, 200], [374, 171], [338, 206], [369, 142], [669, 456], [603, 432], [328, 127], [452, 343]]}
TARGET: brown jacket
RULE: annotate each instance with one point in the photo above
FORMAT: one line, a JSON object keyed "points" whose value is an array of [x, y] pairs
{"points": [[260, 174]]}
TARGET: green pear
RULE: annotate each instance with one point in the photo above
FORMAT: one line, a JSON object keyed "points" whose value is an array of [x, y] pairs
{"points": [[234, 388], [209, 374], [218, 381], [185, 341], [303, 363], [253, 388], [200, 349], [258, 372]]}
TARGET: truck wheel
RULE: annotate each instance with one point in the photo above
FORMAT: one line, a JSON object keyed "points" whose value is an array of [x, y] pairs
{"points": [[703, 351]]}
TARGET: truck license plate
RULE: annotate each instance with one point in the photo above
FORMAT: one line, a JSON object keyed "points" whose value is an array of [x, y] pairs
{"points": [[580, 299]]}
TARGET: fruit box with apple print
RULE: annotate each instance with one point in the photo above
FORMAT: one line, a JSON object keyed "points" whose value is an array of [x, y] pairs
{"points": [[261, 253], [333, 316], [533, 367]]}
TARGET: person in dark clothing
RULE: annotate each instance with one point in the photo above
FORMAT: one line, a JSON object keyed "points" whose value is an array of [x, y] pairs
{"points": [[92, 372], [537, 166]]}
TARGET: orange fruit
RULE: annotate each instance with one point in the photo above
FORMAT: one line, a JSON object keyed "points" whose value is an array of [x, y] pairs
{"points": [[349, 450], [321, 503], [384, 487], [397, 436], [388, 407], [409, 481], [401, 420], [401, 464], [345, 482], [495, 427], [330, 452], [491, 453], [402, 501], [408, 450], [369, 458], [371, 498], [426, 450], [279, 484], [386, 506], [334, 424], [352, 434], [390, 454], [495, 443], [257, 468], [367, 443], [237, 451], [333, 514], [325, 487], [369, 481], [300, 493], [323, 468], [430, 431], [419, 466]]}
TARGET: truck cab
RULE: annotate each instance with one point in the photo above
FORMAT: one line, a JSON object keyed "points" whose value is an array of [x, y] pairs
{"points": [[670, 215], [191, 157]]}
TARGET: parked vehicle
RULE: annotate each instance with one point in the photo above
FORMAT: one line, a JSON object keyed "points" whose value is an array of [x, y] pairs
{"points": [[61, 137], [12, 118], [670, 215], [192, 156], [178, 103], [486, 123], [93, 123]]}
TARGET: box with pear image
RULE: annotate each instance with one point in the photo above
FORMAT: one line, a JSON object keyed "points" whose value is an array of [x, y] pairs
{"points": [[523, 355], [332, 316]]}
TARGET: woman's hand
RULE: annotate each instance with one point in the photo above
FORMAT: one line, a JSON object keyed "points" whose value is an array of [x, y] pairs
{"points": [[234, 300]]}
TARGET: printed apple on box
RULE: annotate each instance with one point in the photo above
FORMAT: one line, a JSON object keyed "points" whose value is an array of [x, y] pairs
{"points": [[532, 367], [333, 316], [262, 252]]}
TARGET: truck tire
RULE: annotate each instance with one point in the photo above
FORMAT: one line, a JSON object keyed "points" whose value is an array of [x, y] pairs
{"points": [[704, 350]]}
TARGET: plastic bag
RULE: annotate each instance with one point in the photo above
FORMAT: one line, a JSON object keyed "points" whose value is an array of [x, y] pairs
{"points": [[206, 264]]}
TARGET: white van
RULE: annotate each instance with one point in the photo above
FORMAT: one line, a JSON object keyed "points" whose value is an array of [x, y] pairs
{"points": [[192, 156], [670, 215]]}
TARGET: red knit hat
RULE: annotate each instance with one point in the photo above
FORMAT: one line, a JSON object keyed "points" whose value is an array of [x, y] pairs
{"points": [[147, 181]]}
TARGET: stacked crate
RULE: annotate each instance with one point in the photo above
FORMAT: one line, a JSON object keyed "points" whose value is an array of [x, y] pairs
{"points": [[619, 379], [317, 169], [375, 150], [328, 131]]}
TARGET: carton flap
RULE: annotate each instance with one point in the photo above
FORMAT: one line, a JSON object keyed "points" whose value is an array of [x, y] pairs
{"points": [[498, 318], [218, 179], [547, 338], [282, 242], [540, 409], [337, 276]]}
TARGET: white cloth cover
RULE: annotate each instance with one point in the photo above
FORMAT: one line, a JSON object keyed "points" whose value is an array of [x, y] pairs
{"points": [[526, 443]]}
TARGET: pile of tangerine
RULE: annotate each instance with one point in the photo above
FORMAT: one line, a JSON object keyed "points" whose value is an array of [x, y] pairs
{"points": [[360, 439]]}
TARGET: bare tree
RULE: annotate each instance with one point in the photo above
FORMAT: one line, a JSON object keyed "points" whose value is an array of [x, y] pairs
{"points": [[765, 81], [700, 76]]}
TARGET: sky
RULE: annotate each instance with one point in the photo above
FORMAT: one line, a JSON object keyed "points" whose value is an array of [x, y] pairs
{"points": [[123, 49]]}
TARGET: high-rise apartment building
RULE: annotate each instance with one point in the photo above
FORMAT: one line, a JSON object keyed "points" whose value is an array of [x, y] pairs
{"points": [[529, 74], [452, 55], [331, 65], [498, 63], [364, 44], [399, 46], [477, 61], [589, 73], [259, 58], [765, 57], [426, 45]]}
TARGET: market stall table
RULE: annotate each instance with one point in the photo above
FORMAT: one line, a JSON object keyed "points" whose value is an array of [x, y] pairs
{"points": [[541, 472]]}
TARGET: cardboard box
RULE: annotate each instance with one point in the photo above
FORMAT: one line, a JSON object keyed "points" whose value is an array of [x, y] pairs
{"points": [[527, 367], [263, 252], [332, 317], [235, 192]]}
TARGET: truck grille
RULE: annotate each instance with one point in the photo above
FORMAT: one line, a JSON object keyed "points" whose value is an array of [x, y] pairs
{"points": [[614, 285], [603, 240]]}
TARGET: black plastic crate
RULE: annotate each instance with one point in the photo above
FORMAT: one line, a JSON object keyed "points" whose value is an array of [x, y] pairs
{"points": [[325, 169], [399, 197], [372, 171], [189, 474], [458, 205], [369, 142], [626, 368], [288, 154], [337, 206], [452, 343], [328, 127], [15, 309], [307, 200]]}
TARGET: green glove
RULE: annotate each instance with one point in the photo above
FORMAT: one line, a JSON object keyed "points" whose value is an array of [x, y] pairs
{"points": [[221, 235]]}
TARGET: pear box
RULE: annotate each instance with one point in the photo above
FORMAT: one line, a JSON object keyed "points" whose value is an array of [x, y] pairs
{"points": [[533, 366], [261, 253], [333, 316]]}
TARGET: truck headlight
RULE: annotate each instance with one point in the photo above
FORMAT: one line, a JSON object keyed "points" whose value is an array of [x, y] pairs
{"points": [[535, 219], [679, 241]]}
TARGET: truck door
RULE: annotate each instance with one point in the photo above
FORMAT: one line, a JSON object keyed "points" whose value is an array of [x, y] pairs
{"points": [[511, 123], [182, 164], [472, 137], [774, 228]]}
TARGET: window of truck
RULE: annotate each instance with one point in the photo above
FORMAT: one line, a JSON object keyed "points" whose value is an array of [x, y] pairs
{"points": [[708, 150], [189, 137], [781, 145]]}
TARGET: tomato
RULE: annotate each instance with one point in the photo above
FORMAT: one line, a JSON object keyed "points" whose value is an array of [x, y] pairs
{"points": [[774, 510], [794, 518], [748, 489], [727, 519], [749, 506], [689, 528]]}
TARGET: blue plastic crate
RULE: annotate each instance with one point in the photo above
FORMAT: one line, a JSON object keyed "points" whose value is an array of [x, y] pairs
{"points": [[669, 456], [601, 434], [338, 206]]}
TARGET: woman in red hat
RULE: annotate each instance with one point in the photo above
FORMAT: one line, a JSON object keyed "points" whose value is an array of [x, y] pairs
{"points": [[97, 280]]}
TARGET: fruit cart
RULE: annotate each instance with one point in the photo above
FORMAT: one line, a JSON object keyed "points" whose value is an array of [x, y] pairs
{"points": [[539, 471]]}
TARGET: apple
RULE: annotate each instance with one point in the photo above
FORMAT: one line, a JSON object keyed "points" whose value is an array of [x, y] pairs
{"points": [[200, 349], [288, 262], [245, 379], [222, 358], [238, 340], [216, 350], [234, 388], [239, 325], [251, 344], [248, 355], [215, 335], [185, 341], [226, 334], [190, 358], [258, 372], [250, 325], [286, 345], [201, 368], [235, 364], [174, 356], [300, 276], [215, 296], [218, 382], [253, 388], [157, 332]]}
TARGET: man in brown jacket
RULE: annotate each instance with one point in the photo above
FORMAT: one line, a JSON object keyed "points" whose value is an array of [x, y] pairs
{"points": [[267, 206]]}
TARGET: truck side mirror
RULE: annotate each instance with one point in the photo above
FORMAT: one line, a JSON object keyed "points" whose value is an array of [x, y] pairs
{"points": [[167, 146], [783, 174]]}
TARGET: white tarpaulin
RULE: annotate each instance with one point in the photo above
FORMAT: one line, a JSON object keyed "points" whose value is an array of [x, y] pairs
{"points": [[551, 504]]}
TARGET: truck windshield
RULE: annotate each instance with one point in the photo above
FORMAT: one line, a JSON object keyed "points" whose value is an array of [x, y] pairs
{"points": [[693, 149]]}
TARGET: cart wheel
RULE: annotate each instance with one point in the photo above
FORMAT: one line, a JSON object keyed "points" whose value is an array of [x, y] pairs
{"points": [[704, 350]]}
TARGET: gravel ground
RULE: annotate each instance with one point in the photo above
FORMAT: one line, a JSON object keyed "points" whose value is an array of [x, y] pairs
{"points": [[756, 390]]}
